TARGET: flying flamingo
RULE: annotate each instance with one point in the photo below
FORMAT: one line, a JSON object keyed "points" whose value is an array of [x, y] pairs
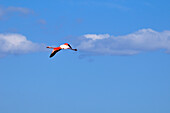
{"points": [[56, 49]]}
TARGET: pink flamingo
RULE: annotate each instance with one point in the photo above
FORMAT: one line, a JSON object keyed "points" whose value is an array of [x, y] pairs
{"points": [[63, 46]]}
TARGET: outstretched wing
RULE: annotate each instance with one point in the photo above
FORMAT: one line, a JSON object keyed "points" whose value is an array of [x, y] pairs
{"points": [[54, 52]]}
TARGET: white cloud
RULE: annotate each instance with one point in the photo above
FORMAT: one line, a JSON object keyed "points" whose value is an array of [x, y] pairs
{"points": [[17, 44], [19, 9], [95, 37], [130, 44], [8, 10], [42, 22]]}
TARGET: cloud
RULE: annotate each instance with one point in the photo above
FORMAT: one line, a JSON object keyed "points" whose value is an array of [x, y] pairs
{"points": [[96, 37], [141, 41], [8, 10], [42, 22], [19, 10], [17, 44]]}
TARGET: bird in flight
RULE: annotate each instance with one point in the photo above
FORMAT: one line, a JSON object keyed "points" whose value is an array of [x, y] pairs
{"points": [[56, 49]]}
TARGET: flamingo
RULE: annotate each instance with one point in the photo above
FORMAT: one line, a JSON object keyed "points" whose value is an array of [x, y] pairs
{"points": [[56, 49]]}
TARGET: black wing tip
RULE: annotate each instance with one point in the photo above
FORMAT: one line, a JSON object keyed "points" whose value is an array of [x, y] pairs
{"points": [[69, 46], [52, 54]]}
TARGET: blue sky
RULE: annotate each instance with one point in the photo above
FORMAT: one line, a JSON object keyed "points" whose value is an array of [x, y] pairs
{"points": [[121, 66]]}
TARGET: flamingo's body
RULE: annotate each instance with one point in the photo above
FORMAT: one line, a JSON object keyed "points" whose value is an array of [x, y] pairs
{"points": [[56, 49]]}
